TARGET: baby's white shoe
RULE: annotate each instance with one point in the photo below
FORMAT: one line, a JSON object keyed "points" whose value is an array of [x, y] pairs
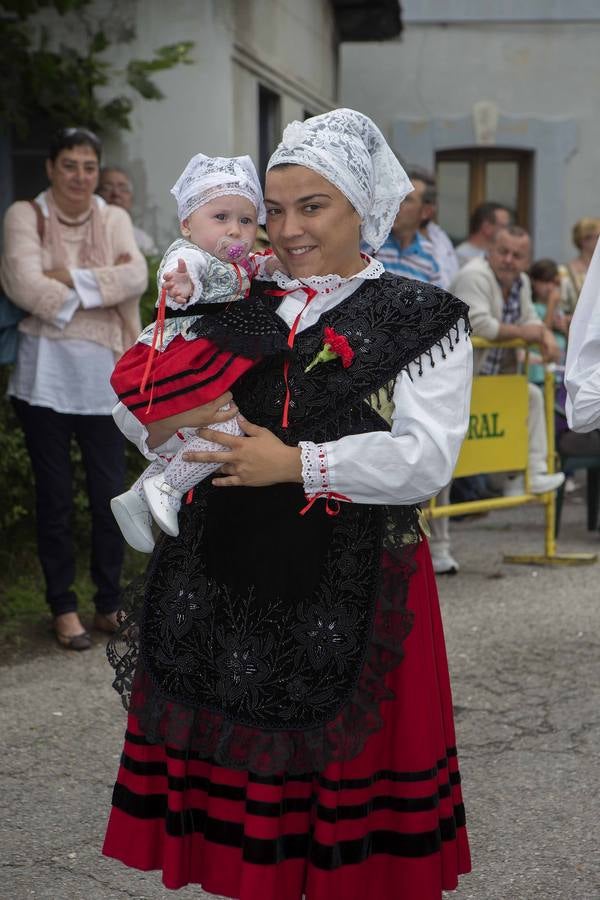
{"points": [[164, 502], [134, 519]]}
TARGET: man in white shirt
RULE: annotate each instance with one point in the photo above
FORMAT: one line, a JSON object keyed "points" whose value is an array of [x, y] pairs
{"points": [[441, 245], [498, 293], [485, 221]]}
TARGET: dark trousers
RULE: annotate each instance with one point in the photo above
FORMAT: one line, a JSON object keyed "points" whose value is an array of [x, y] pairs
{"points": [[48, 437]]}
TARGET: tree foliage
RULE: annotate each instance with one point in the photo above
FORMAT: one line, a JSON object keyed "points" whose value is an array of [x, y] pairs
{"points": [[66, 84]]}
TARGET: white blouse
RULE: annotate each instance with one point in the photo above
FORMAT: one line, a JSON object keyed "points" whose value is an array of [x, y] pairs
{"points": [[430, 416], [68, 376], [582, 369]]}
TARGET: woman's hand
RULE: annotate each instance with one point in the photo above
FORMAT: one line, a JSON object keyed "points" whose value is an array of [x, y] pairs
{"points": [[257, 460], [62, 275], [209, 414], [273, 264], [532, 332], [549, 347]]}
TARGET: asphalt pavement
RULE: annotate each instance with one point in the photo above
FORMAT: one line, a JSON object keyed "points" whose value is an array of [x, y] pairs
{"points": [[523, 644]]}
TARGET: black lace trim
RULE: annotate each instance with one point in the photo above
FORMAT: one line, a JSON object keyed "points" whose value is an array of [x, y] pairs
{"points": [[252, 721], [266, 751], [195, 309], [248, 328], [292, 660], [252, 346]]}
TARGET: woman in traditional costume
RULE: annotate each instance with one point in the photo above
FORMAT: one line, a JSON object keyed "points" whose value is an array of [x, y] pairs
{"points": [[290, 725]]}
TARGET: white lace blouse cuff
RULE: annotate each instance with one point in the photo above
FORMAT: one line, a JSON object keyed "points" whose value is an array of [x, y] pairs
{"points": [[315, 470]]}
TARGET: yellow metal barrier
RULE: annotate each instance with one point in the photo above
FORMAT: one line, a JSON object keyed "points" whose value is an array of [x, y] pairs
{"points": [[497, 441]]}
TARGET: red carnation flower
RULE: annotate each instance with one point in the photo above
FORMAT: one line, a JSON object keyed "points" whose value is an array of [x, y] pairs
{"points": [[335, 346], [339, 344]]}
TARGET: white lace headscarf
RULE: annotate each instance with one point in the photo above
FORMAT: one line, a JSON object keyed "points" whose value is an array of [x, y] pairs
{"points": [[349, 150], [207, 177]]}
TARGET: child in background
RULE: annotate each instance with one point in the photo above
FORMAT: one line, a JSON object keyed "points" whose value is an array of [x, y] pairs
{"points": [[547, 300], [186, 358]]}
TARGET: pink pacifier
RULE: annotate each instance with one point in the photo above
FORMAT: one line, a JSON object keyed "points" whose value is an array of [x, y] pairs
{"points": [[231, 250]]}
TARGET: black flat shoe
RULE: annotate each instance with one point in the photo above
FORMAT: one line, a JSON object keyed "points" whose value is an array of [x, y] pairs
{"points": [[74, 641]]}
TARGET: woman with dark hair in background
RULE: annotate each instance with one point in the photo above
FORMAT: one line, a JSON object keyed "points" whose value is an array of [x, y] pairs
{"points": [[290, 722], [72, 263]]}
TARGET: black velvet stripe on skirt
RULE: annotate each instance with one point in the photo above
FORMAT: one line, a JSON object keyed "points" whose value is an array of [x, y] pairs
{"points": [[346, 791]]}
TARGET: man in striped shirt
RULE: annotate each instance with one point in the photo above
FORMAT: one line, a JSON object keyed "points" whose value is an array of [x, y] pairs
{"points": [[406, 251]]}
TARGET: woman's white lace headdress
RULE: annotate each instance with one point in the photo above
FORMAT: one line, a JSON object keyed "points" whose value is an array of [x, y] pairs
{"points": [[349, 150], [207, 177]]}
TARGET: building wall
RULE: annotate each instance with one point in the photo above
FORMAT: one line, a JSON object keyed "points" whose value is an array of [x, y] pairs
{"points": [[195, 114], [212, 105], [492, 11], [541, 75]]}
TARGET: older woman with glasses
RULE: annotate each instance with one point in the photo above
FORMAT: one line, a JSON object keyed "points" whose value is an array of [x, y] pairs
{"points": [[71, 263], [115, 186]]}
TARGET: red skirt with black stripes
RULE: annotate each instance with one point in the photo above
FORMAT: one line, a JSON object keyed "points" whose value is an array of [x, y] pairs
{"points": [[387, 825], [184, 375]]}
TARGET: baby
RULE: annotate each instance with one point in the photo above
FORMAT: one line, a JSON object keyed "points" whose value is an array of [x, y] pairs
{"points": [[196, 349]]}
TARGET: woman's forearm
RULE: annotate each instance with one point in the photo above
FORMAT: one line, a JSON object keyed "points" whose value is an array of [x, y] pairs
{"points": [[219, 410], [158, 433]]}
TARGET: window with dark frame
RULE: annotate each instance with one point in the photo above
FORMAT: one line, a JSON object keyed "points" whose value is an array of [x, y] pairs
{"points": [[470, 176]]}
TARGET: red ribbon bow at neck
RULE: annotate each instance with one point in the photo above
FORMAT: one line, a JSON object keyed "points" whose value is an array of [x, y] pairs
{"points": [[310, 295], [332, 499]]}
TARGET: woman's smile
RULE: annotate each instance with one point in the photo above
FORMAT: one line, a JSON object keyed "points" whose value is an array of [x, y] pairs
{"points": [[300, 251]]}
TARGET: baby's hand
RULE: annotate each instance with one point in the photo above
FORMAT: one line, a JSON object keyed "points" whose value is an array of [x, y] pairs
{"points": [[274, 265], [178, 284]]}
